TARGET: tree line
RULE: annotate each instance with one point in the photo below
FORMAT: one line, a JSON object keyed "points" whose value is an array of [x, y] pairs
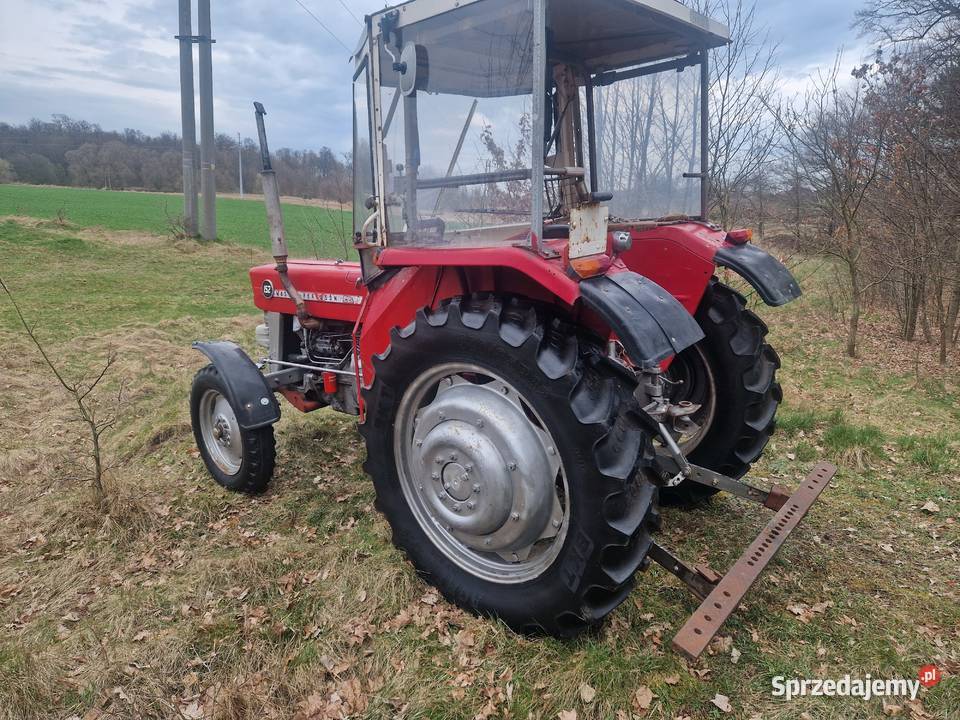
{"points": [[65, 151]]}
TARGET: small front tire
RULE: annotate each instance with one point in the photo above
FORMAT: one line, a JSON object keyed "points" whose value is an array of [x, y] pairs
{"points": [[239, 460]]}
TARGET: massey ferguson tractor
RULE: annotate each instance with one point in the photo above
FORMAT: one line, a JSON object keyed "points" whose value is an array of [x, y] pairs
{"points": [[535, 339]]}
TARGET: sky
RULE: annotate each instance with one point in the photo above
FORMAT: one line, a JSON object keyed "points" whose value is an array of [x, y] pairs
{"points": [[116, 63]]}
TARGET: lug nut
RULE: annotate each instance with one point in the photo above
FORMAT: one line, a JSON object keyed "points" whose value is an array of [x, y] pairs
{"points": [[471, 505], [441, 416], [456, 508], [438, 460], [512, 465], [488, 541], [435, 476], [419, 443], [476, 489], [556, 523], [515, 516], [479, 423], [552, 450], [468, 468], [453, 457]]}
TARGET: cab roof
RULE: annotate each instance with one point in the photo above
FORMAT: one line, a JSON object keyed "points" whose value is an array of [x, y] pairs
{"points": [[600, 34]]}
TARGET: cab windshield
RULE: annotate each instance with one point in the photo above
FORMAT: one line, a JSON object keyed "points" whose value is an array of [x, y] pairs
{"points": [[493, 124], [456, 152]]}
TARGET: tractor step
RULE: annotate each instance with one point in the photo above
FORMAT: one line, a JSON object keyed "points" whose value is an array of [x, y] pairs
{"points": [[726, 594]]}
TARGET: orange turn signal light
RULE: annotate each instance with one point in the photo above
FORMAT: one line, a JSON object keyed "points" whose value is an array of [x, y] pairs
{"points": [[739, 237], [591, 265]]}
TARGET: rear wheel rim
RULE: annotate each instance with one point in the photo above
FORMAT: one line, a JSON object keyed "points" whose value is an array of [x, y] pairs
{"points": [[481, 473], [693, 382], [221, 432]]}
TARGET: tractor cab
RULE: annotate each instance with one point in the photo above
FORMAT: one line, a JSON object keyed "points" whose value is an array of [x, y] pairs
{"points": [[481, 123]]}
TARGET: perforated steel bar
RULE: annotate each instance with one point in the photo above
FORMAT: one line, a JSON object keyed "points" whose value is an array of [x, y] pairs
{"points": [[699, 630]]}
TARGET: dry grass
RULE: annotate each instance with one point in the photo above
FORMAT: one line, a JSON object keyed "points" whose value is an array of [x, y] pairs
{"points": [[188, 602]]}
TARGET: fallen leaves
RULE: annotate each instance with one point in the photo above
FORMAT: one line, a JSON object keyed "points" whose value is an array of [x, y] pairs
{"points": [[587, 693], [930, 507], [891, 710], [805, 613], [722, 702], [642, 698], [346, 698]]}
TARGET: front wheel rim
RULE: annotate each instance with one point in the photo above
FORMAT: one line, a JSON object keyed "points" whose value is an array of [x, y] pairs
{"points": [[481, 473], [220, 432]]}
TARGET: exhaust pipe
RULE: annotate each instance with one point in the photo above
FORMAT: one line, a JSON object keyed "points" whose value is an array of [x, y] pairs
{"points": [[278, 236]]}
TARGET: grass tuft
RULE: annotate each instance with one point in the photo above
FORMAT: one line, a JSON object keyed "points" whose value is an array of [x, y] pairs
{"points": [[929, 451], [792, 420]]}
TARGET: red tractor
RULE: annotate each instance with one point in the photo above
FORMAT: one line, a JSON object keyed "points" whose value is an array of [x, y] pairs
{"points": [[534, 338]]}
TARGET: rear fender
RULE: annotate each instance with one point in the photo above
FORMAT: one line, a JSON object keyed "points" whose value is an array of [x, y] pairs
{"points": [[771, 279], [247, 391], [651, 323], [426, 277], [682, 257]]}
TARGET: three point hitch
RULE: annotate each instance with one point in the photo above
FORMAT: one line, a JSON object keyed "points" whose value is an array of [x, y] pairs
{"points": [[720, 595]]}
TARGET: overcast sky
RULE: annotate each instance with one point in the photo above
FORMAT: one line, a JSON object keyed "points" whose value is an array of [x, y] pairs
{"points": [[115, 62]]}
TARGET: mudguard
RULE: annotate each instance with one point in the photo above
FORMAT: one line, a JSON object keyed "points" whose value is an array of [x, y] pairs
{"points": [[248, 393], [771, 279], [649, 321]]}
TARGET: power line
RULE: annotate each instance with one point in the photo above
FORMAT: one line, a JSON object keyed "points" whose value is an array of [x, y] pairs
{"points": [[320, 23], [347, 8]]}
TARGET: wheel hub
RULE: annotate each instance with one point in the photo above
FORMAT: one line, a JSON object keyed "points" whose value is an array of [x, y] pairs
{"points": [[222, 431], [221, 434], [456, 481], [481, 474]]}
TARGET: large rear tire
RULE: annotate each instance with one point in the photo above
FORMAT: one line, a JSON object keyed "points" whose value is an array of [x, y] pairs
{"points": [[732, 373], [511, 464]]}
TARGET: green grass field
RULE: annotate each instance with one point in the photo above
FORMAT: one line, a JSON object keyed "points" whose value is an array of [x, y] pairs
{"points": [[190, 602], [311, 231]]}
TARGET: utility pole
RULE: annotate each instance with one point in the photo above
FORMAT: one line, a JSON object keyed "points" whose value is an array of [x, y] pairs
{"points": [[188, 120], [207, 148], [240, 163]]}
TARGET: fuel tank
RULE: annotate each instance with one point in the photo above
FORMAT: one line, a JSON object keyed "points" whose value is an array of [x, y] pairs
{"points": [[331, 289]]}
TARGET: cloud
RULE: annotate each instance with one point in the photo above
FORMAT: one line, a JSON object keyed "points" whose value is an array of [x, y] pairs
{"points": [[115, 62]]}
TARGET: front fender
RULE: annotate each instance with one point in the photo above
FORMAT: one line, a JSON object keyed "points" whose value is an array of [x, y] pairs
{"points": [[248, 394], [649, 321], [769, 277]]}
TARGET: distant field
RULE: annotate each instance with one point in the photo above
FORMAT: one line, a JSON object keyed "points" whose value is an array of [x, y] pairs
{"points": [[311, 231]]}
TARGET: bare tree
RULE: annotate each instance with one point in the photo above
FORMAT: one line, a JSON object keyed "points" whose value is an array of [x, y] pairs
{"points": [[838, 147], [81, 393], [743, 101], [933, 23]]}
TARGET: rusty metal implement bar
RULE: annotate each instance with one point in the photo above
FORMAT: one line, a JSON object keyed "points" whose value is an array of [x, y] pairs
{"points": [[697, 632]]}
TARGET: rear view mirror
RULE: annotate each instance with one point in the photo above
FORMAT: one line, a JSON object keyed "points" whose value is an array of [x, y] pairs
{"points": [[414, 69]]}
